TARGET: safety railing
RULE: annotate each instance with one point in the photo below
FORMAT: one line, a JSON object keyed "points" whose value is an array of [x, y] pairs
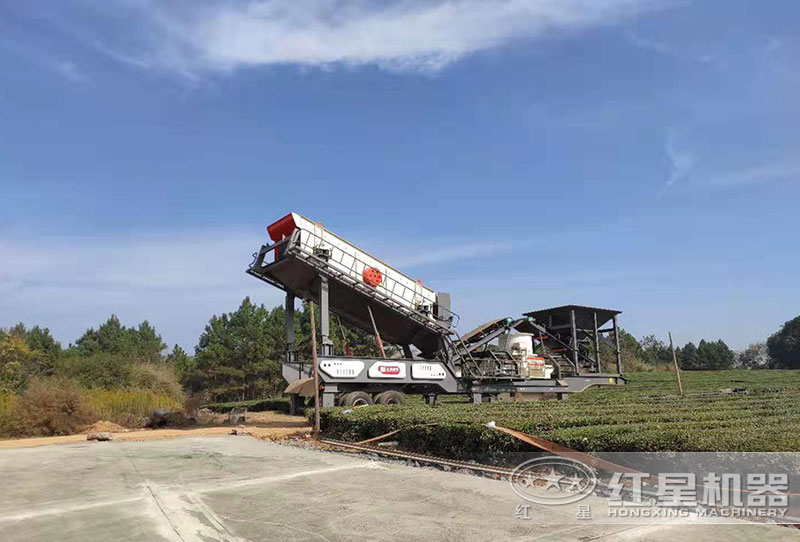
{"points": [[408, 293], [332, 261]]}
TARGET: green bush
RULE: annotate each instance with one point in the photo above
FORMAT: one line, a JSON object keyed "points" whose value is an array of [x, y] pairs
{"points": [[96, 371], [117, 371], [157, 378]]}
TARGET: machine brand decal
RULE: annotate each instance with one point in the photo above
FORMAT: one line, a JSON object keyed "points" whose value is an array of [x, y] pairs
{"points": [[427, 371], [342, 369], [387, 369]]}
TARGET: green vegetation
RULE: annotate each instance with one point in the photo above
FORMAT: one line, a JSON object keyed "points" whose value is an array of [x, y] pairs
{"points": [[114, 373], [784, 345], [238, 355], [123, 373], [645, 415]]}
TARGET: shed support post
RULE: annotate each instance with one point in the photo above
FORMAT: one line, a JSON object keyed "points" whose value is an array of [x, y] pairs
{"points": [[616, 342], [326, 347], [596, 344], [574, 342], [291, 352]]}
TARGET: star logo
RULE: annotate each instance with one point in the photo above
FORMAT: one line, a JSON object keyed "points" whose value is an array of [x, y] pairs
{"points": [[574, 483], [552, 479]]}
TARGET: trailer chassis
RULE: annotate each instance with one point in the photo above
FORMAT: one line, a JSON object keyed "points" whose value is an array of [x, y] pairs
{"points": [[478, 389]]}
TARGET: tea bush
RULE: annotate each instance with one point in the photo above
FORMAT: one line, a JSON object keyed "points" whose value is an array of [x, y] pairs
{"points": [[645, 415]]}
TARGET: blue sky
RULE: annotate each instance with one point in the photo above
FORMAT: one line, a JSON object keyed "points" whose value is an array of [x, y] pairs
{"points": [[521, 154]]}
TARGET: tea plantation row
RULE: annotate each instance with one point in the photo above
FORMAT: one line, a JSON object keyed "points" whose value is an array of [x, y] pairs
{"points": [[645, 415]]}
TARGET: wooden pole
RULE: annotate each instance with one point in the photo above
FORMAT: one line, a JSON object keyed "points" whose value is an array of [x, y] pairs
{"points": [[675, 361], [347, 350], [316, 368]]}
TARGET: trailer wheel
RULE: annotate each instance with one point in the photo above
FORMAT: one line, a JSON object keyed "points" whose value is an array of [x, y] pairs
{"points": [[357, 398], [390, 397]]}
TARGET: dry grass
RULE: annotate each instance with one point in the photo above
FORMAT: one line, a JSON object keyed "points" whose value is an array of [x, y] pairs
{"points": [[48, 407], [60, 407], [129, 407]]}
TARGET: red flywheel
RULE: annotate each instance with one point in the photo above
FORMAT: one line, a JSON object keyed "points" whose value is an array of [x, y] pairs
{"points": [[372, 276]]}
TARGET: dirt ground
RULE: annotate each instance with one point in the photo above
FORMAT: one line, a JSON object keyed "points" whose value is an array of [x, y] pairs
{"points": [[262, 425]]}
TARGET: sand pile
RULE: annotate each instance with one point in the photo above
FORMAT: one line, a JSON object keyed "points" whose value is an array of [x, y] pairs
{"points": [[105, 426]]}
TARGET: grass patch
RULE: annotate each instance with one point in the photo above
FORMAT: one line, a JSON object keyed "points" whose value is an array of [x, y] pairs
{"points": [[130, 408], [60, 406], [48, 407]]}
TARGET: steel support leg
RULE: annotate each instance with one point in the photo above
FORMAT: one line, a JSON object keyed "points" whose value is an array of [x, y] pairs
{"points": [[407, 352], [328, 399], [596, 345], [574, 342], [291, 352], [326, 348]]}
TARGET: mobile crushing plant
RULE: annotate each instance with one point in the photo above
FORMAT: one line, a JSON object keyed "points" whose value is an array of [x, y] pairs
{"points": [[554, 351]]}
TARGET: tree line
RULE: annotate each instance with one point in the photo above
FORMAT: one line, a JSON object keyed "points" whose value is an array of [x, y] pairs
{"points": [[238, 355], [780, 351]]}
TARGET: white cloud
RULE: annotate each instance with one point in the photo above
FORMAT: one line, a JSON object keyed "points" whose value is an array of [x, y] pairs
{"points": [[681, 162], [418, 35], [681, 52], [782, 169], [70, 71]]}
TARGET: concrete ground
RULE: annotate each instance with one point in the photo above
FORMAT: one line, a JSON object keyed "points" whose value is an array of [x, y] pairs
{"points": [[242, 489]]}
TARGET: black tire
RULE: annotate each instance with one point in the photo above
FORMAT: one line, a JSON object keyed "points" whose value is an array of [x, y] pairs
{"points": [[357, 398], [390, 397]]}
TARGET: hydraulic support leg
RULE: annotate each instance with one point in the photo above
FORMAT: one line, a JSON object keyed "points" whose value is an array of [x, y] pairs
{"points": [[328, 399], [291, 352], [326, 348]]}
